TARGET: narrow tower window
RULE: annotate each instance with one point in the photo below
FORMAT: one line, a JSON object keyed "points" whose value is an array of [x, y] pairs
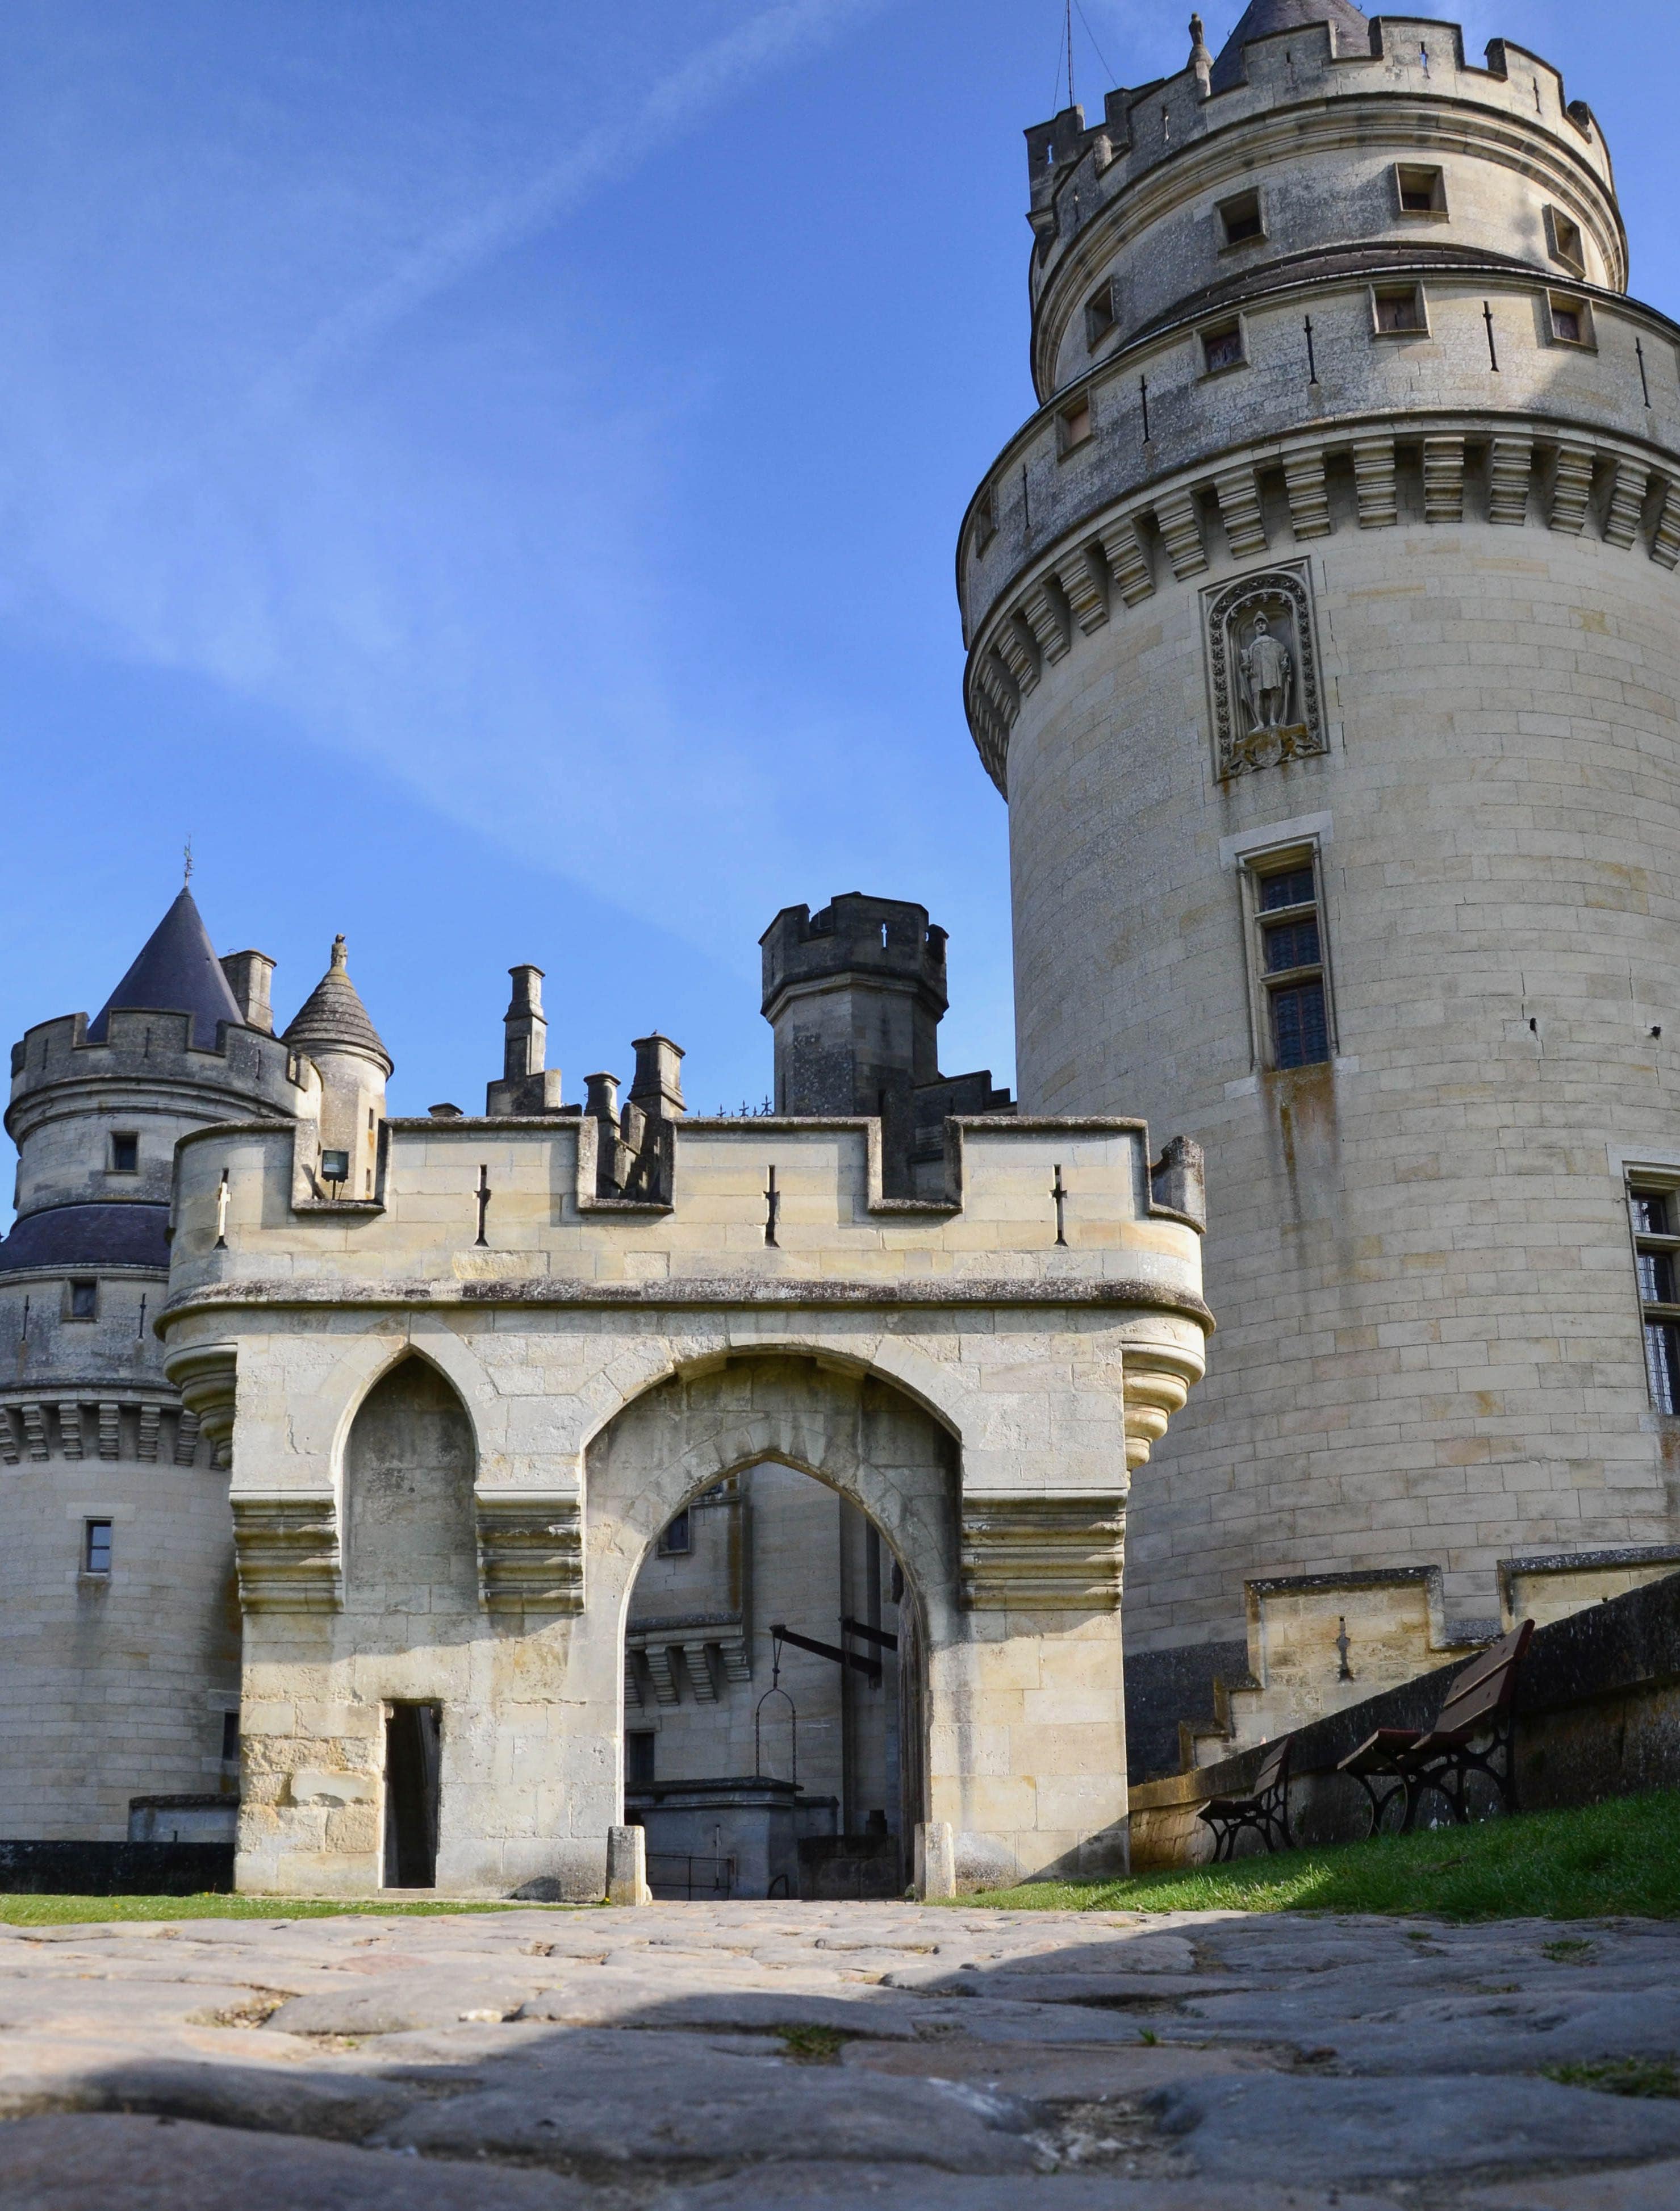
{"points": [[1240, 219], [96, 1548], [1422, 192], [1076, 425], [1571, 320], [1223, 348], [1655, 1247], [1100, 314], [1564, 243], [985, 520], [126, 1155], [1290, 974], [83, 1301], [1398, 310], [677, 1541]]}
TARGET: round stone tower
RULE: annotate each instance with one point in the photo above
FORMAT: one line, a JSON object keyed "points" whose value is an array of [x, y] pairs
{"points": [[121, 1665], [1324, 639]]}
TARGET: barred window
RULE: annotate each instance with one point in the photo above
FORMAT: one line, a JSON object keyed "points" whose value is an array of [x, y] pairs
{"points": [[1655, 1248]]}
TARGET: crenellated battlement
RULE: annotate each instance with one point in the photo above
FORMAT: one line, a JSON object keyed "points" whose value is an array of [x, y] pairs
{"points": [[153, 1051], [494, 1209], [1317, 124], [96, 1123], [890, 940]]}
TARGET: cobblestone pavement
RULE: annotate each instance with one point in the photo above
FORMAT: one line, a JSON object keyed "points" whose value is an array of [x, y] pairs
{"points": [[808, 2057]]}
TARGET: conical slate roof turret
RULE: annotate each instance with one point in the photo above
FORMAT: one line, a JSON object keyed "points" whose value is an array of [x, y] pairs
{"points": [[1352, 29], [333, 1018], [176, 973]]}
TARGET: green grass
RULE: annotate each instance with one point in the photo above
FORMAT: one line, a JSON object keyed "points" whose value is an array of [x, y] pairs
{"points": [[65, 1910], [1622, 2076], [812, 2046], [1617, 1860]]}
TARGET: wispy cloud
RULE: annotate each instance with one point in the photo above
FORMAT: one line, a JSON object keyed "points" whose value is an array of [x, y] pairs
{"points": [[677, 103], [494, 636]]}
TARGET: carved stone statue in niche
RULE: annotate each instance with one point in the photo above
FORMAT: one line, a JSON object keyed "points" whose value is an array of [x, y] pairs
{"points": [[1266, 677], [1263, 673]]}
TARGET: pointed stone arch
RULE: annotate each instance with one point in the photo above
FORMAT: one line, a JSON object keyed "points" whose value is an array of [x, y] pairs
{"points": [[410, 1460], [852, 1429]]}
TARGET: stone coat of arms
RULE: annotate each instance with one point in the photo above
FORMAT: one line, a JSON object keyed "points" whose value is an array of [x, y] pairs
{"points": [[1263, 673]]}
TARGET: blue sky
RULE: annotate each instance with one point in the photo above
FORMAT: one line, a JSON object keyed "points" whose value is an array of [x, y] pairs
{"points": [[489, 472]]}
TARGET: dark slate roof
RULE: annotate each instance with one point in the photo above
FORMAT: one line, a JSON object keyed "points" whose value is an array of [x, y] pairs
{"points": [[334, 1016], [128, 1234], [176, 973], [1353, 32]]}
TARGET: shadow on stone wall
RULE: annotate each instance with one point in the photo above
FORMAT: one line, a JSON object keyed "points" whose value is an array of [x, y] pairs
{"points": [[1597, 1715]]}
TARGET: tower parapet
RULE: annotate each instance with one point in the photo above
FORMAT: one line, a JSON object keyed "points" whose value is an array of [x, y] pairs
{"points": [[1322, 628], [1350, 286]]}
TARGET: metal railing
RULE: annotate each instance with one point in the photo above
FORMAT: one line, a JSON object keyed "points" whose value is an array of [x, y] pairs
{"points": [[674, 1876]]}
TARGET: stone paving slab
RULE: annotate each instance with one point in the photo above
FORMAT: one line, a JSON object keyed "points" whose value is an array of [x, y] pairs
{"points": [[789, 2057], [170, 2164], [1284, 2127], [894, 2187], [1636, 2187]]}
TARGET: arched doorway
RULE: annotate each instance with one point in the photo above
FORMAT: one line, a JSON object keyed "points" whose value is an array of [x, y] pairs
{"points": [[772, 1705], [775, 1628]]}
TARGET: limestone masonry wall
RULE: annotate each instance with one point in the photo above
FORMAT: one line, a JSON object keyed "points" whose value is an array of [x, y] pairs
{"points": [[1463, 524]]}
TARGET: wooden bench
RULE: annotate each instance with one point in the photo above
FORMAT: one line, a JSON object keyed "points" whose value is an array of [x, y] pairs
{"points": [[1265, 1814], [1471, 1733]]}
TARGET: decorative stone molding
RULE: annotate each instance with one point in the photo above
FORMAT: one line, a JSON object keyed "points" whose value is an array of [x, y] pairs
{"points": [[1020, 656], [1443, 478], [1256, 629], [1239, 495], [1571, 490], [530, 1552], [660, 1673], [1129, 563], [1043, 618], [1510, 467], [1377, 483], [1308, 491], [63, 1429], [1665, 541], [205, 1374], [1157, 1383], [286, 1545], [1628, 484], [1083, 586], [1182, 534], [1043, 1553], [1642, 503], [654, 1640]]}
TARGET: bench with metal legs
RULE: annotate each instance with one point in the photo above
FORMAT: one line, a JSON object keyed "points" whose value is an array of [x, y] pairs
{"points": [[1397, 1767], [1265, 1814]]}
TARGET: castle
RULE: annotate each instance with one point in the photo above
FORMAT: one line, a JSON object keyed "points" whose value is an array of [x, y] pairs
{"points": [[1322, 638], [438, 1494], [427, 1492]]}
